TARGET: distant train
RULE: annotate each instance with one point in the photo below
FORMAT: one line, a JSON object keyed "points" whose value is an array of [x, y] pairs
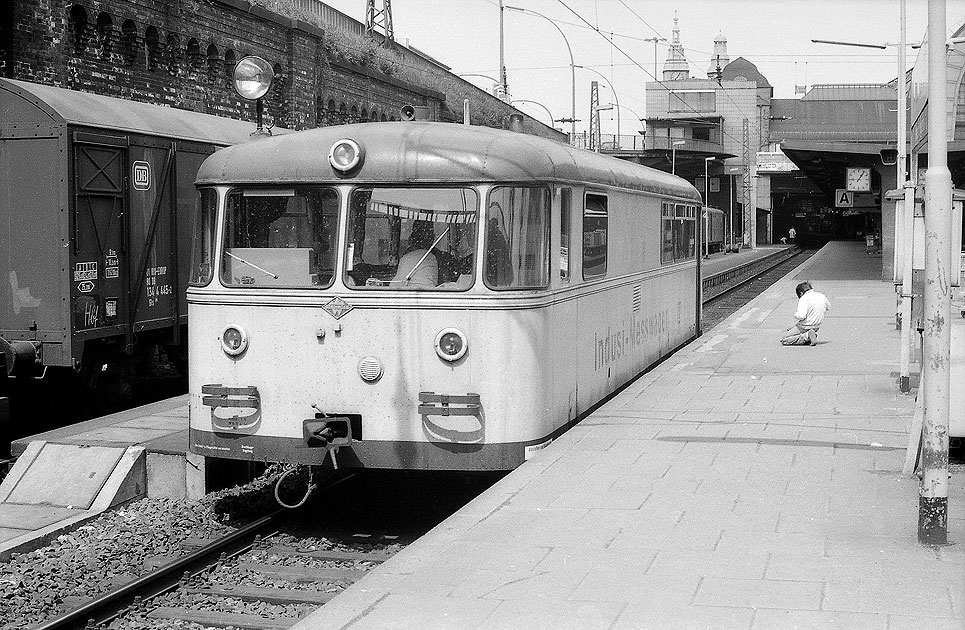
{"points": [[426, 296], [97, 211], [714, 230]]}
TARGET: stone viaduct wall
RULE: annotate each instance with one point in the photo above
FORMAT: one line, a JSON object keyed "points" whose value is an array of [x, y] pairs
{"points": [[181, 53]]}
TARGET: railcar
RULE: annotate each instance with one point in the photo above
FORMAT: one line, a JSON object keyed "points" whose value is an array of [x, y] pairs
{"points": [[97, 205], [714, 230], [418, 295]]}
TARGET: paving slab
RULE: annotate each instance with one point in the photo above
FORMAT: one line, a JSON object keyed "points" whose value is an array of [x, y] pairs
{"points": [[741, 484]]}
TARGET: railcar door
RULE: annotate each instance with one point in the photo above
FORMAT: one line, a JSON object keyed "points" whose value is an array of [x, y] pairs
{"points": [[99, 249]]}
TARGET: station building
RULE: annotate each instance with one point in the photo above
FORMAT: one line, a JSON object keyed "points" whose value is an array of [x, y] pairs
{"points": [[775, 164]]}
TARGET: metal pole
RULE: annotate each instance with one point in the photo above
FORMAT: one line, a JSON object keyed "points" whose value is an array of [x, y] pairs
{"points": [[706, 214], [502, 59], [936, 374], [673, 159], [730, 230], [655, 40], [572, 64], [905, 220]]}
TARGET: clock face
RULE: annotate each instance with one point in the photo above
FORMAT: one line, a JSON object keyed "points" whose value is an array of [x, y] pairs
{"points": [[858, 180]]}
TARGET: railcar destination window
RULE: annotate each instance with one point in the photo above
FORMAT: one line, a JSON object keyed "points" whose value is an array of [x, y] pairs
{"points": [[280, 237], [411, 239]]}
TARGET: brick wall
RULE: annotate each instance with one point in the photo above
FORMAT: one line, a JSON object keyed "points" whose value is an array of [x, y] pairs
{"points": [[180, 53]]}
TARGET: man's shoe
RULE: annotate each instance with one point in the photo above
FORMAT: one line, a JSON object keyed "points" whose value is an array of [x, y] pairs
{"points": [[812, 338]]}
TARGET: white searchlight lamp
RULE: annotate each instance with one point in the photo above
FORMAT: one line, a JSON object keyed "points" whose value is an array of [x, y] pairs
{"points": [[252, 79]]}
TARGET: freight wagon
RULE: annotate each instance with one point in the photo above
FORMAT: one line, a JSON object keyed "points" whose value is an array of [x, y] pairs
{"points": [[97, 210]]}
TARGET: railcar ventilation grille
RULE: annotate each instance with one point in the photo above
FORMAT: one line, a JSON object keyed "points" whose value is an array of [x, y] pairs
{"points": [[637, 298], [370, 369]]}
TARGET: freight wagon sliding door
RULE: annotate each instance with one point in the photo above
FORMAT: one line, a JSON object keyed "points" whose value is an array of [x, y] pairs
{"points": [[153, 248], [163, 203], [99, 250]]}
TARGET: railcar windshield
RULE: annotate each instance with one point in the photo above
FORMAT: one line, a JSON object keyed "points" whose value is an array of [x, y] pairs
{"points": [[411, 239], [280, 237]]}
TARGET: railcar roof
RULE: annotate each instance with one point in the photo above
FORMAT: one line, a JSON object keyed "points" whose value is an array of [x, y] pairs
{"points": [[430, 152], [25, 102]]}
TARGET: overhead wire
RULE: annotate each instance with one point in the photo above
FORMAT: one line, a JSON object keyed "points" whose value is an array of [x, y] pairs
{"points": [[699, 115]]}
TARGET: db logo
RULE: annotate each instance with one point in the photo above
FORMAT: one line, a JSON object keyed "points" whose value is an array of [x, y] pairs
{"points": [[85, 287], [142, 175]]}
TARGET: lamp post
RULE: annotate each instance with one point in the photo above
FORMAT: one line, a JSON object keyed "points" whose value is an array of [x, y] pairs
{"points": [[496, 82], [616, 144], [572, 67], [673, 155], [636, 115], [545, 108], [655, 40]]}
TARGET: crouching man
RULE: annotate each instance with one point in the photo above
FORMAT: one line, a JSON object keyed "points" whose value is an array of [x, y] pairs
{"points": [[811, 308]]}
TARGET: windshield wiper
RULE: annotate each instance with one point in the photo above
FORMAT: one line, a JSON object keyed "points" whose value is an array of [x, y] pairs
{"points": [[252, 265], [409, 275]]}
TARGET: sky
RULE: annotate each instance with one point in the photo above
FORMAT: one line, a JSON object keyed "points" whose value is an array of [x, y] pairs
{"points": [[606, 36]]}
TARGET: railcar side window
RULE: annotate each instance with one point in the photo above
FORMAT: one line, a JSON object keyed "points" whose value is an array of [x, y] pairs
{"points": [[202, 245], [518, 238], [411, 239], [594, 236], [678, 231], [566, 203], [280, 237]]}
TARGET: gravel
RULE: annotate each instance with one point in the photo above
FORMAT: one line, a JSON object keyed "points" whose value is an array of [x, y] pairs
{"points": [[118, 547]]}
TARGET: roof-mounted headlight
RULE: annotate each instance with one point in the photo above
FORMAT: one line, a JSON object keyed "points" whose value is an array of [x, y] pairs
{"points": [[346, 155], [252, 77]]}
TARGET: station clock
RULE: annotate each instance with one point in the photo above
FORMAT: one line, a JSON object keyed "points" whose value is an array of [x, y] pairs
{"points": [[858, 179]]}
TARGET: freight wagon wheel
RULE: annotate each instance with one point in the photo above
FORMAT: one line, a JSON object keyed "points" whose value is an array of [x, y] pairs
{"points": [[106, 380]]}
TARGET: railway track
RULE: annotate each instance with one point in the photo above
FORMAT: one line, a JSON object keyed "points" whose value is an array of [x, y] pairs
{"points": [[723, 299], [265, 575]]}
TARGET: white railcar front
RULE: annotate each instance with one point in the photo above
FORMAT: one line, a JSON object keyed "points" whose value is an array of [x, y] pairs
{"points": [[453, 299]]}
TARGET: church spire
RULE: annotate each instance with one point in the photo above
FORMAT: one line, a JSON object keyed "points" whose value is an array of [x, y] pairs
{"points": [[676, 66]]}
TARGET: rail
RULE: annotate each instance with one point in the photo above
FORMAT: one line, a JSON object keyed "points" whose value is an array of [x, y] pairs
{"points": [[724, 281], [113, 602]]}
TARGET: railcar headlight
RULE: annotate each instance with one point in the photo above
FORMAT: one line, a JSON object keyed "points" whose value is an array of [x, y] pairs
{"points": [[346, 155], [451, 344], [252, 77], [234, 340]]}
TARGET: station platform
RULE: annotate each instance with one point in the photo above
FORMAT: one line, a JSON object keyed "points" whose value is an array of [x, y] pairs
{"points": [[740, 484], [67, 476], [719, 262]]}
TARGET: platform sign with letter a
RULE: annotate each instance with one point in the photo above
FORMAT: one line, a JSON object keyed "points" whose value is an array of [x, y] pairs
{"points": [[843, 198]]}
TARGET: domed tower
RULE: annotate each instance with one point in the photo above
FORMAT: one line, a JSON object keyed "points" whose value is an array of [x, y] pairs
{"points": [[676, 67], [719, 58]]}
